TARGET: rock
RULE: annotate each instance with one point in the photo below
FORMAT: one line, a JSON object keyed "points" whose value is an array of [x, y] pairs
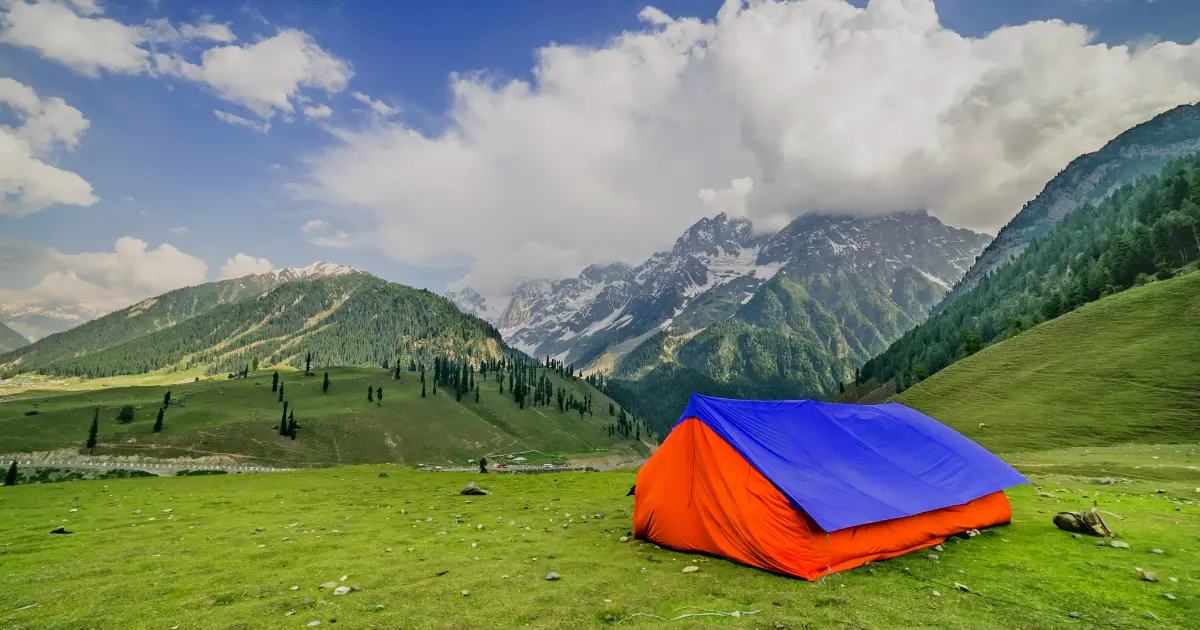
{"points": [[1156, 550], [691, 568], [465, 592], [1173, 579], [962, 587], [937, 594], [344, 578], [473, 488], [1101, 543], [329, 585], [1076, 536], [341, 590], [933, 557], [1046, 495], [289, 613], [313, 624], [1119, 544], [383, 474], [389, 550], [1151, 616], [938, 548], [378, 607], [1149, 576], [1073, 615], [260, 529], [59, 530], [294, 588], [411, 549], [1169, 596], [624, 539], [552, 576]]}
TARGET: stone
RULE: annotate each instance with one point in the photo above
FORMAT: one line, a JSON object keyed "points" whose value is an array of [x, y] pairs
{"points": [[294, 588], [313, 624], [1173, 579], [691, 568], [473, 489], [1085, 522], [1169, 596], [59, 530], [260, 529], [1119, 544], [465, 592], [962, 587], [1149, 576], [1156, 550], [552, 576], [937, 594], [389, 550], [1151, 616], [938, 548], [624, 539], [383, 474], [1045, 495], [289, 613], [329, 585], [378, 607], [341, 590], [933, 557], [344, 578], [1073, 615]]}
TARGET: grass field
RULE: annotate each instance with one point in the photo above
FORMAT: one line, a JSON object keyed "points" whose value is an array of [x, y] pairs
{"points": [[130, 563], [239, 418], [1125, 369]]}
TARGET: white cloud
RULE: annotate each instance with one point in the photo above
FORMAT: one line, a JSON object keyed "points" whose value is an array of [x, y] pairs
{"points": [[178, 230], [85, 44], [234, 119], [94, 283], [340, 240], [242, 265], [379, 108], [824, 106], [28, 183], [87, 7], [320, 111], [267, 76], [161, 31], [315, 225]]}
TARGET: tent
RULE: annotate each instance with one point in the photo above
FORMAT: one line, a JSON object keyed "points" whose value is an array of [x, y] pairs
{"points": [[806, 488]]}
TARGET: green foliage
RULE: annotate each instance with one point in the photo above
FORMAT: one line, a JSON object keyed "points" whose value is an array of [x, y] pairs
{"points": [[659, 397], [328, 316], [1147, 229], [125, 416], [10, 339], [1119, 370], [10, 479]]}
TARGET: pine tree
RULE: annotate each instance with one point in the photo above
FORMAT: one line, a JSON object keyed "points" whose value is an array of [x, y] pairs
{"points": [[477, 395], [167, 399], [159, 421], [281, 392], [842, 387], [274, 381], [307, 364], [291, 428], [422, 388], [283, 425], [325, 384], [370, 394], [11, 478], [254, 365], [92, 433], [285, 410], [483, 465], [379, 394]]}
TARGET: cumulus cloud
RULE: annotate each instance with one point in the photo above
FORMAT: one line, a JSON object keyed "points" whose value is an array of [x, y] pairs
{"points": [[319, 111], [315, 225], [93, 283], [243, 265], [28, 183], [265, 77], [84, 43], [822, 105], [234, 119], [378, 108]]}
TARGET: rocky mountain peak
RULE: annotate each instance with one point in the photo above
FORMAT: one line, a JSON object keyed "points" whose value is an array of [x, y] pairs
{"points": [[320, 269], [716, 236]]}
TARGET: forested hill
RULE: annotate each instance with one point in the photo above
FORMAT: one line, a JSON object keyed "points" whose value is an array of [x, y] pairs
{"points": [[346, 320], [10, 339], [1145, 231]]}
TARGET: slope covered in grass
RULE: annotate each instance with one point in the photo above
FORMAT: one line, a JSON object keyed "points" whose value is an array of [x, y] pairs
{"points": [[225, 552], [240, 418], [1125, 369]]}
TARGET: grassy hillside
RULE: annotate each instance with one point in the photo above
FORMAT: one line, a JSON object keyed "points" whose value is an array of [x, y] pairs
{"points": [[226, 551], [353, 319], [240, 418], [10, 339], [1123, 369]]}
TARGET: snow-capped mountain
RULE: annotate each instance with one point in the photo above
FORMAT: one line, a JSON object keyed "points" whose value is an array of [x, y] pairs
{"points": [[470, 302], [316, 270], [716, 266]]}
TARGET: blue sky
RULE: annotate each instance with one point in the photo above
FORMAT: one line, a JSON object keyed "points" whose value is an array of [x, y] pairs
{"points": [[167, 169]]}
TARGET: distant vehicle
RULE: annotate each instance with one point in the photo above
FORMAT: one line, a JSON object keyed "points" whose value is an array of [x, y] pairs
{"points": [[547, 465], [437, 467], [502, 466]]}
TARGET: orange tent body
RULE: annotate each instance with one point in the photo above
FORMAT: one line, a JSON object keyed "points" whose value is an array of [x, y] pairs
{"points": [[697, 493]]}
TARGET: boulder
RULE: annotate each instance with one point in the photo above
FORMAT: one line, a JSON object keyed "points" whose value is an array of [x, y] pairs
{"points": [[473, 489], [1084, 522]]}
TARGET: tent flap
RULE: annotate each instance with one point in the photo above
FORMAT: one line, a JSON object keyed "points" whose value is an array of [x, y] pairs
{"points": [[849, 465]]}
